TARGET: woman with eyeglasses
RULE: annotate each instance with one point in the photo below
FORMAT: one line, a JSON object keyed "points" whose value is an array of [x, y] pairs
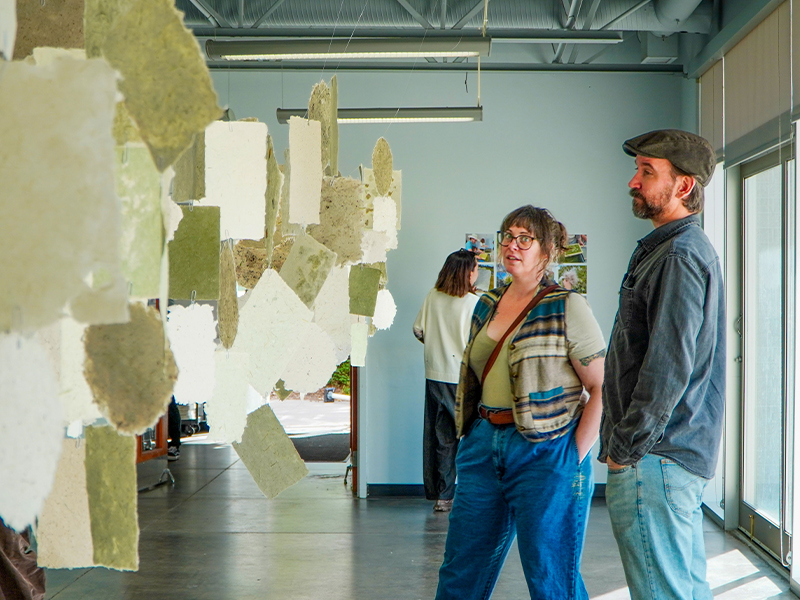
{"points": [[443, 326], [528, 407]]}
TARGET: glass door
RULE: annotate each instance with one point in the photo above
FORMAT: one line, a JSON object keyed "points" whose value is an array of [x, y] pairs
{"points": [[767, 411]]}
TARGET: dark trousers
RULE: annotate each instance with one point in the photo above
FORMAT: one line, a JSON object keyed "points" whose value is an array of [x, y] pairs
{"points": [[174, 424], [439, 441]]}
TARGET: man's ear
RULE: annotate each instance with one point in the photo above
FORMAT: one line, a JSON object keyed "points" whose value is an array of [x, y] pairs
{"points": [[686, 184]]}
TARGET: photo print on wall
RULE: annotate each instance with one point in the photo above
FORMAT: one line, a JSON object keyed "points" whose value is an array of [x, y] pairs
{"points": [[483, 245], [571, 272]]}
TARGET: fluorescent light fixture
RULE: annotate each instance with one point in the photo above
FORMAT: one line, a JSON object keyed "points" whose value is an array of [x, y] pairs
{"points": [[320, 49], [439, 114], [563, 37]]}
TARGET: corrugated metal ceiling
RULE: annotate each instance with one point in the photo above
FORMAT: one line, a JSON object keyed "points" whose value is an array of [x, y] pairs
{"points": [[352, 15]]}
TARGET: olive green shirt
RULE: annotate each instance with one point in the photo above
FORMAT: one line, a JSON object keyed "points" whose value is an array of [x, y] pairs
{"points": [[584, 338]]}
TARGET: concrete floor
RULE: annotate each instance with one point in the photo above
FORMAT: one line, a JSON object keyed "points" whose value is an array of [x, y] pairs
{"points": [[213, 535]]}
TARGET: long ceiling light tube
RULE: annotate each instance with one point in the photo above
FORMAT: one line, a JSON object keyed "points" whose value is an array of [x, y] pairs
{"points": [[438, 114], [316, 49]]}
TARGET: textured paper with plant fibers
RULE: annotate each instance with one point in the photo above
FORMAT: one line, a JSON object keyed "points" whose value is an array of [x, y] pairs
{"points": [[194, 255], [55, 23], [236, 176], [8, 28], [30, 444], [332, 311], [359, 333], [271, 327], [111, 486], [226, 410], [58, 189], [139, 189], [75, 395], [269, 454], [228, 306], [385, 310], [342, 218], [364, 283], [371, 191], [192, 331], [313, 362], [307, 267], [306, 174], [319, 109], [272, 197], [166, 83], [130, 370], [382, 166], [334, 108], [63, 532], [250, 257], [190, 172]]}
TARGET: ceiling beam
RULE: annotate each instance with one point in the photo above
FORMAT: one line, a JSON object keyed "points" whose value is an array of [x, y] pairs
{"points": [[470, 14], [241, 13], [572, 17], [587, 25], [443, 15], [268, 12], [590, 15], [205, 8], [530, 36], [454, 66], [415, 14], [626, 14]]}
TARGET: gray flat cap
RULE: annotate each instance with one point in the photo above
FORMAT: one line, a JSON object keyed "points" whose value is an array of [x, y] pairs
{"points": [[691, 153]]}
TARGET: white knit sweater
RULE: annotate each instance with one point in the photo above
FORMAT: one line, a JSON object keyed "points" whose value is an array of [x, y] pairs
{"points": [[443, 326]]}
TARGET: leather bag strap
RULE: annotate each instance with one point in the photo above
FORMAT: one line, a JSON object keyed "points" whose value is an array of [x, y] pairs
{"points": [[531, 305]]}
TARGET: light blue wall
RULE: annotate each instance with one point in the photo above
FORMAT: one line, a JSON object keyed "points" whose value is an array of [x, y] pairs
{"points": [[551, 139]]}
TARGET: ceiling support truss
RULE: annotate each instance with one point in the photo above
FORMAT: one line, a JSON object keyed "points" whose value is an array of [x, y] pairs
{"points": [[266, 14]]}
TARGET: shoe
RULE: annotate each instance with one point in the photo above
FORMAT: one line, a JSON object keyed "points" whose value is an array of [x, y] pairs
{"points": [[173, 453], [443, 506]]}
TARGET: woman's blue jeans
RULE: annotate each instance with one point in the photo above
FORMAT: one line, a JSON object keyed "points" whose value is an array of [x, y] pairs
{"points": [[654, 507], [507, 487]]}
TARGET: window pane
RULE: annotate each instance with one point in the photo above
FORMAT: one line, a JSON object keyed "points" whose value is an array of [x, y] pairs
{"points": [[763, 398]]}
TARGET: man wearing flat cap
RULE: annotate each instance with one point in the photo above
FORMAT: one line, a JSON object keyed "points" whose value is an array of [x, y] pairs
{"points": [[664, 390]]}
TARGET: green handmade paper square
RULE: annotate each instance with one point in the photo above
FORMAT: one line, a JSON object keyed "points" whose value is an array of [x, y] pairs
{"points": [[364, 284], [269, 454], [111, 486], [194, 255]]}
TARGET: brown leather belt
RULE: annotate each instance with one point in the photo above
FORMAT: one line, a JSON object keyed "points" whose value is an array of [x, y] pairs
{"points": [[496, 416]]}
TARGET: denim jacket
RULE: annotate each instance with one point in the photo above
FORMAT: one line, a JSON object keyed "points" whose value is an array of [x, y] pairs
{"points": [[664, 389]]}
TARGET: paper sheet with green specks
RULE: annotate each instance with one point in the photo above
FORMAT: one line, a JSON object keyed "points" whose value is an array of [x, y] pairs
{"points": [[111, 487], [194, 255], [269, 454]]}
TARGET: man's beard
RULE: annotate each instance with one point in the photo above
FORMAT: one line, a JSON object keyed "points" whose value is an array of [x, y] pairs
{"points": [[647, 209]]}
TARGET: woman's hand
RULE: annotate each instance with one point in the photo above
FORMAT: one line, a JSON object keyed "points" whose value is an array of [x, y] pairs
{"points": [[591, 376]]}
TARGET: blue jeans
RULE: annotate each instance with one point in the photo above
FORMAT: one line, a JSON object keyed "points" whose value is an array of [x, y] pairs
{"points": [[507, 487], [655, 513]]}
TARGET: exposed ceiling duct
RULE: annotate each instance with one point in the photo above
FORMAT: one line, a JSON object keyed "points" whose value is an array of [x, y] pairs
{"points": [[673, 13], [359, 16], [528, 34]]}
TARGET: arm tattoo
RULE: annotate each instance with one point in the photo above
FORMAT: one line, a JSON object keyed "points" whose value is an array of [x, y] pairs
{"points": [[585, 361]]}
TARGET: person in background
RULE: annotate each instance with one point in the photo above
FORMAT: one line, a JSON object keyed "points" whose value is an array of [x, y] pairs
{"points": [[472, 244], [528, 407], [569, 279], [664, 393], [443, 325], [174, 431]]}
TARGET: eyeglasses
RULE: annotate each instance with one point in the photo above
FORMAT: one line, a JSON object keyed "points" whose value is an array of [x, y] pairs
{"points": [[524, 241]]}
